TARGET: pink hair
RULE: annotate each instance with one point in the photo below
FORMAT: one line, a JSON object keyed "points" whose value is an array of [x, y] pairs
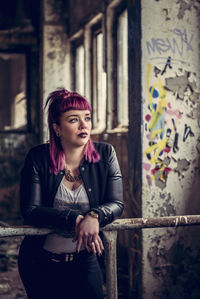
{"points": [[58, 102]]}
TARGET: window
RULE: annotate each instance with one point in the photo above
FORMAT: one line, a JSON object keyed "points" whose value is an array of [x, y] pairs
{"points": [[122, 69], [79, 69], [98, 80], [13, 103]]}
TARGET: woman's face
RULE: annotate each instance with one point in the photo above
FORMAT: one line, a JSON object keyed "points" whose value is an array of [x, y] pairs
{"points": [[74, 128]]}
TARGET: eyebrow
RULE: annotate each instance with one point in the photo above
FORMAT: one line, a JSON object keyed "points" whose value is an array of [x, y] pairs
{"points": [[78, 115]]}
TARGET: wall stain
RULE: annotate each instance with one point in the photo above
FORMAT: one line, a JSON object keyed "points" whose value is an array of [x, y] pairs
{"points": [[166, 207], [177, 85], [182, 165], [186, 5], [57, 44], [12, 153], [166, 12], [183, 85], [52, 55], [170, 264], [54, 11]]}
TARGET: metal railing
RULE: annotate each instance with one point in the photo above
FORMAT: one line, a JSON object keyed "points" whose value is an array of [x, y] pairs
{"points": [[110, 236]]}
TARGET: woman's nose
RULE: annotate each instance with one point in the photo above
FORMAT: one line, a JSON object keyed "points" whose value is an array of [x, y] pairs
{"points": [[83, 124]]}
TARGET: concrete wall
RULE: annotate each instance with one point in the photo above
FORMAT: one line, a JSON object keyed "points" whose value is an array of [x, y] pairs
{"points": [[171, 122], [54, 64]]}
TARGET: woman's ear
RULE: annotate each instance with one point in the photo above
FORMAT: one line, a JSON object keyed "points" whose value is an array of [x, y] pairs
{"points": [[56, 129]]}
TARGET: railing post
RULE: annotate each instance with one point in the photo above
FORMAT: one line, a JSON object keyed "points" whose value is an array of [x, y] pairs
{"points": [[110, 238]]}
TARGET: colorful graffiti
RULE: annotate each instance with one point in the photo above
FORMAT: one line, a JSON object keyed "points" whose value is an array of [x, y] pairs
{"points": [[161, 131]]}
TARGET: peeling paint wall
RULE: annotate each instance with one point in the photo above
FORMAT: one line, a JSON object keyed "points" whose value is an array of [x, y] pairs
{"points": [[171, 136], [55, 66]]}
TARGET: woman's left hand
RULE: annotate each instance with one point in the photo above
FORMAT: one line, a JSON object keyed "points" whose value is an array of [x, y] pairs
{"points": [[87, 233]]}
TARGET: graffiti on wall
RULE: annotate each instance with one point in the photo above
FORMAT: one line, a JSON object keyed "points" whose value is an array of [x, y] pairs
{"points": [[163, 123], [172, 101], [160, 142], [180, 43]]}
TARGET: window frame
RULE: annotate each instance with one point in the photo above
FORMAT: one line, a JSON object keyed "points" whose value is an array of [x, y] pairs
{"points": [[28, 126], [75, 43], [96, 29], [118, 10]]}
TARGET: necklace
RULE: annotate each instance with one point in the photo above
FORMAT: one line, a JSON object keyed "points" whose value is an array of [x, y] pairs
{"points": [[71, 178]]}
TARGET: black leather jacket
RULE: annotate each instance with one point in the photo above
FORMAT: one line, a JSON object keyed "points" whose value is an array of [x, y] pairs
{"points": [[102, 181]]}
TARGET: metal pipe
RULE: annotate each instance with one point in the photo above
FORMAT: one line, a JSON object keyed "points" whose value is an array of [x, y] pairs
{"points": [[119, 224], [110, 239], [155, 222], [110, 236]]}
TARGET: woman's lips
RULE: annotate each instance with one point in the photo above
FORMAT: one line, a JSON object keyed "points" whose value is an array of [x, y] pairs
{"points": [[83, 135]]}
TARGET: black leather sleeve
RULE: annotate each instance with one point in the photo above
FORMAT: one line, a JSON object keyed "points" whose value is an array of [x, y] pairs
{"points": [[32, 200], [113, 206]]}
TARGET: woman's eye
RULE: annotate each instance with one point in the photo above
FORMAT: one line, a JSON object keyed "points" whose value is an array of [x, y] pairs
{"points": [[88, 118], [73, 120]]}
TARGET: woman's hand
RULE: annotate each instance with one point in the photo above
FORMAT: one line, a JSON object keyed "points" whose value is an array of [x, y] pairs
{"points": [[87, 233]]}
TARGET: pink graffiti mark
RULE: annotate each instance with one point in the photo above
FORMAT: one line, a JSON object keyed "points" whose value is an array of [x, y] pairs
{"points": [[146, 166], [167, 149], [153, 171], [166, 170], [176, 112], [149, 180], [169, 105], [147, 117]]}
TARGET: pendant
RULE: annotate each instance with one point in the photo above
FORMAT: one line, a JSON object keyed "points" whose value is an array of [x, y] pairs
{"points": [[71, 178]]}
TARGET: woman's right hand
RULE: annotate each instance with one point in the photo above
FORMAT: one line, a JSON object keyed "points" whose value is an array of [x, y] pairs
{"points": [[87, 233]]}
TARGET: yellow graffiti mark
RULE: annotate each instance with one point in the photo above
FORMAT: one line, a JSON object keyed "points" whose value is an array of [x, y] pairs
{"points": [[161, 105], [157, 148], [161, 178], [150, 93], [157, 114], [161, 169], [154, 133]]}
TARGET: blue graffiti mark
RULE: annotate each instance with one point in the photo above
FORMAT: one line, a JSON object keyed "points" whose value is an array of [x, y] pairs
{"points": [[161, 125], [176, 45], [154, 106], [174, 125], [155, 93]]}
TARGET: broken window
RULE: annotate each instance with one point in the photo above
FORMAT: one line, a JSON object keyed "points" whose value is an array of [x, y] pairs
{"points": [[98, 81], [13, 102]]}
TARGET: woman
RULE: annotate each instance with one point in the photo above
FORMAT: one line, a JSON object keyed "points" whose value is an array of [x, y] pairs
{"points": [[71, 184]]}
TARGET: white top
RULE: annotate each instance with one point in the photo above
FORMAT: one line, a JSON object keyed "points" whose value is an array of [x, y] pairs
{"points": [[67, 199]]}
